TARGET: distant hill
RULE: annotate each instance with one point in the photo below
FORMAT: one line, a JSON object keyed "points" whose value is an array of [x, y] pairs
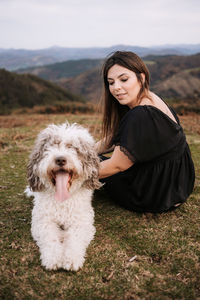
{"points": [[26, 90], [166, 66], [68, 69], [176, 77], [88, 84], [13, 59], [183, 85], [172, 76]]}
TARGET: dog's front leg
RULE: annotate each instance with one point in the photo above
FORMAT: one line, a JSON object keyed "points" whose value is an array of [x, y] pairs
{"points": [[76, 242], [47, 235]]}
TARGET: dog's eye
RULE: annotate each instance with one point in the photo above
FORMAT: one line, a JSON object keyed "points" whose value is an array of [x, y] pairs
{"points": [[56, 142], [68, 145]]}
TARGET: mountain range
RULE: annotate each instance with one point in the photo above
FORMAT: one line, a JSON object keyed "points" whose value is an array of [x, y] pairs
{"points": [[13, 59], [172, 76], [175, 78]]}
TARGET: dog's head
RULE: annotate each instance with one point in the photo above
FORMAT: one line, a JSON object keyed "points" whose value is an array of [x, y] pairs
{"points": [[63, 153]]}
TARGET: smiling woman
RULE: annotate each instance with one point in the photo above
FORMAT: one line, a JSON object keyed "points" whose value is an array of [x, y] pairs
{"points": [[124, 85], [151, 168]]}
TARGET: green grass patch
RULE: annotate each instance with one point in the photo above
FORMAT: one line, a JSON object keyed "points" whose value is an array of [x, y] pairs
{"points": [[165, 247]]}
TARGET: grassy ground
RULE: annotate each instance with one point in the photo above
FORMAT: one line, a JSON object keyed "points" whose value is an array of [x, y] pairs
{"points": [[165, 248]]}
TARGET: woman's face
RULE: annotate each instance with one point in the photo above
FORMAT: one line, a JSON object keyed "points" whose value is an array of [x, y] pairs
{"points": [[123, 85]]}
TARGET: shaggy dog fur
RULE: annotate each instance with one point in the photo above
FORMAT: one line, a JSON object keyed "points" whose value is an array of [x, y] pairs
{"points": [[63, 228]]}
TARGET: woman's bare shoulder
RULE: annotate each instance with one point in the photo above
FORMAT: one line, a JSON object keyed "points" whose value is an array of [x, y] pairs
{"points": [[159, 104]]}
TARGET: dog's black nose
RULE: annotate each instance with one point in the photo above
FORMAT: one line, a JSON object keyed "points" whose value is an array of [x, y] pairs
{"points": [[60, 161]]}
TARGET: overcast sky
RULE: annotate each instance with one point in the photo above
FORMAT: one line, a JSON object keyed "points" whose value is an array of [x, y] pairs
{"points": [[34, 24]]}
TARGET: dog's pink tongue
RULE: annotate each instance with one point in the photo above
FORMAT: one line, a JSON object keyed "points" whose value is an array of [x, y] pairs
{"points": [[62, 180]]}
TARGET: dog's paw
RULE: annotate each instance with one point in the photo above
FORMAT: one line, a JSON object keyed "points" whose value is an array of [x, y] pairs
{"points": [[72, 261], [51, 260], [50, 265]]}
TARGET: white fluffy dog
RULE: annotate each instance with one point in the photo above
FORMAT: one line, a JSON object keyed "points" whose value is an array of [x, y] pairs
{"points": [[62, 173]]}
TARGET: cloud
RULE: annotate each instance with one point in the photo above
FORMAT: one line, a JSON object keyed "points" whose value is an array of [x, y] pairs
{"points": [[42, 23]]}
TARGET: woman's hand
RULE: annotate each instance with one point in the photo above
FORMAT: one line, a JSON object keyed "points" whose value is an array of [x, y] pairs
{"points": [[118, 162]]}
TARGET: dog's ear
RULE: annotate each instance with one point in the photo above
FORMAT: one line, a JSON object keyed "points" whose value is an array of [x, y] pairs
{"points": [[32, 168], [90, 161]]}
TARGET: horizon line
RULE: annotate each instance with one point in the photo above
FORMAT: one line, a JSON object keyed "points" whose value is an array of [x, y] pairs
{"points": [[114, 45]]}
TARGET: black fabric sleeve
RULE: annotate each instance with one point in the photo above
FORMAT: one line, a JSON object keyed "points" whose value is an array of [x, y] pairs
{"points": [[145, 134], [126, 152], [127, 135]]}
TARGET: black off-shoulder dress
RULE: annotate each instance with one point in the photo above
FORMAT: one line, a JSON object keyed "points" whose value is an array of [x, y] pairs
{"points": [[163, 172]]}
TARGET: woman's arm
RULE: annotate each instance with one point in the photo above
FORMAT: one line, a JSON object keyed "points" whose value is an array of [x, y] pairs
{"points": [[117, 163]]}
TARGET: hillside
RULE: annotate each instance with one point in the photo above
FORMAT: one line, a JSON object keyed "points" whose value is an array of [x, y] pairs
{"points": [[66, 69], [88, 84], [28, 90], [181, 85], [166, 66], [174, 77], [13, 59]]}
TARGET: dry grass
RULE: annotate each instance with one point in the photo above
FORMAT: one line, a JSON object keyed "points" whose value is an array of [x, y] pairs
{"points": [[165, 248]]}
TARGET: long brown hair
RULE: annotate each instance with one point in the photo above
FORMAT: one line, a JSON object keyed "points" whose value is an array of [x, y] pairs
{"points": [[113, 112]]}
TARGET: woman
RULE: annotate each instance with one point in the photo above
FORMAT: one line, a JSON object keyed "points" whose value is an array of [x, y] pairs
{"points": [[151, 168]]}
